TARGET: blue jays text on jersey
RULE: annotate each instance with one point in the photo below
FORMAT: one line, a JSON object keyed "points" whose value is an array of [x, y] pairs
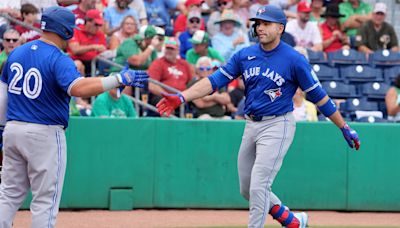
{"points": [[270, 77], [39, 77]]}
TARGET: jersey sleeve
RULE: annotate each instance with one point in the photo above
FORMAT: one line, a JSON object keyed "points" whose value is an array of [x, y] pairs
{"points": [[305, 76], [226, 73], [66, 73]]}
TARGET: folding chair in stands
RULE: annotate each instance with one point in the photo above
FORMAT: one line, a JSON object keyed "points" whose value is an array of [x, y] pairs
{"points": [[316, 57], [346, 57], [325, 72], [375, 90], [384, 58], [336, 89], [361, 73], [391, 73]]}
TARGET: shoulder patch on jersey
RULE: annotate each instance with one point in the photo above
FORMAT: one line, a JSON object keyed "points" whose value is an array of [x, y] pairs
{"points": [[273, 93]]}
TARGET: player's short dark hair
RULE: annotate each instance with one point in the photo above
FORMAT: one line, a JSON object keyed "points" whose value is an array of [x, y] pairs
{"points": [[28, 8], [397, 81]]}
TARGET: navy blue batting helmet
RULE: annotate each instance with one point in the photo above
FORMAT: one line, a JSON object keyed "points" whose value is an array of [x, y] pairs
{"points": [[270, 13], [59, 20]]}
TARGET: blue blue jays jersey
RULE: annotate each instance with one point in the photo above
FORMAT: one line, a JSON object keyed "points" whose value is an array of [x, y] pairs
{"points": [[39, 78], [271, 78]]}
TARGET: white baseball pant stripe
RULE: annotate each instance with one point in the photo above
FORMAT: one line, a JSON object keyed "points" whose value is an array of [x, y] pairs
{"points": [[263, 148], [34, 157]]}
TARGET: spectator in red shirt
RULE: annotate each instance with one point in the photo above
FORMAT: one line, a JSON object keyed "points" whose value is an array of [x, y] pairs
{"points": [[88, 41], [180, 22], [80, 11], [29, 15], [333, 38], [170, 70]]}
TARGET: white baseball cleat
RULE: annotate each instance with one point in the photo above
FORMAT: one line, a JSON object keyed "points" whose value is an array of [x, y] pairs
{"points": [[303, 219]]}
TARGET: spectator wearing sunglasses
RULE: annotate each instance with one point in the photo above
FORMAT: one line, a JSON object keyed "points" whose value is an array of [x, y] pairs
{"points": [[213, 105], [88, 41], [170, 70], [181, 20], [230, 38], [200, 41], [193, 25], [11, 40]]}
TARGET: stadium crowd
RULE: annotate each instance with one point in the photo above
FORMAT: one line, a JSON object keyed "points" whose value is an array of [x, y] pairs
{"points": [[181, 41]]}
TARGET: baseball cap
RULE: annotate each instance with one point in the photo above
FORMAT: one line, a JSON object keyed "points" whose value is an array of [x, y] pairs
{"points": [[303, 7], [171, 42], [58, 20], [193, 2], [199, 37], [194, 14], [380, 7], [95, 15], [228, 15], [147, 31]]}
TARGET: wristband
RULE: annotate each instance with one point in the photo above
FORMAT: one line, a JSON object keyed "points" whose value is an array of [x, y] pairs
{"points": [[328, 108], [111, 82]]}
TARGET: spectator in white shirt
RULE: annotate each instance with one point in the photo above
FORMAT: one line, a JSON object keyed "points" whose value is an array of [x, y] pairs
{"points": [[306, 33]]}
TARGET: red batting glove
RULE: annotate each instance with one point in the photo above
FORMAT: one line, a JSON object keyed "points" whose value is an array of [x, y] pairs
{"points": [[169, 103]]}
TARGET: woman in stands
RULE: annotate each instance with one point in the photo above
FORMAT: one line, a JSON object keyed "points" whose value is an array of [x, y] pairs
{"points": [[392, 101]]}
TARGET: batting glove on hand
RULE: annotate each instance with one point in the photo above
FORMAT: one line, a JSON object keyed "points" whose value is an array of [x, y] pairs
{"points": [[169, 103], [351, 136], [137, 78]]}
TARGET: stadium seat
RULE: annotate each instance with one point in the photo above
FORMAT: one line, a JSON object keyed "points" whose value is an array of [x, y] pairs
{"points": [[361, 73], [316, 57], [325, 72], [346, 57], [336, 89], [384, 58], [391, 73], [355, 104], [371, 119], [375, 90]]}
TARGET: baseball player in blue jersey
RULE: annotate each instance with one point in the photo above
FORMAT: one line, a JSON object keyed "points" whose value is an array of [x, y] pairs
{"points": [[35, 88], [272, 71]]}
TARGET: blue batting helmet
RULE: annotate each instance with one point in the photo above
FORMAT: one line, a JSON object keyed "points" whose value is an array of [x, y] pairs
{"points": [[59, 20], [270, 13]]}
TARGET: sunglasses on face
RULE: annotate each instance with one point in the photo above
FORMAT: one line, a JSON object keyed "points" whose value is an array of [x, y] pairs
{"points": [[205, 68], [10, 39], [197, 21], [222, 4], [98, 25]]}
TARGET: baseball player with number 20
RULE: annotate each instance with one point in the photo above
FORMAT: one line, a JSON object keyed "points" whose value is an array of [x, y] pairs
{"points": [[35, 88], [272, 71]]}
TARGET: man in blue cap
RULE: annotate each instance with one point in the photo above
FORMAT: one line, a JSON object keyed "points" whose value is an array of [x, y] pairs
{"points": [[272, 71], [37, 81]]}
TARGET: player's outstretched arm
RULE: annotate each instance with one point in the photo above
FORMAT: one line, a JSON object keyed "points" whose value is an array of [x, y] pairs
{"points": [[172, 101], [87, 87], [328, 108]]}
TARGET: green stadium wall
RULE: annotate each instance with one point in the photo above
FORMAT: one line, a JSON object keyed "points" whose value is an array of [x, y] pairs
{"points": [[174, 163]]}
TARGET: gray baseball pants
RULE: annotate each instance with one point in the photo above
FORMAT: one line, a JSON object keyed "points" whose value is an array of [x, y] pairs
{"points": [[263, 148], [34, 157]]}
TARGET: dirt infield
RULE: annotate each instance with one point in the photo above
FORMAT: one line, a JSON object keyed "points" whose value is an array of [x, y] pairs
{"points": [[199, 218]]}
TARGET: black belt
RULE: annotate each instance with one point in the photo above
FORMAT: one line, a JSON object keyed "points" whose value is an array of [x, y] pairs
{"points": [[260, 118]]}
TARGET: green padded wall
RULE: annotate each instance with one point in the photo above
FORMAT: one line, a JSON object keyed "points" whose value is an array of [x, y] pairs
{"points": [[175, 163]]}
